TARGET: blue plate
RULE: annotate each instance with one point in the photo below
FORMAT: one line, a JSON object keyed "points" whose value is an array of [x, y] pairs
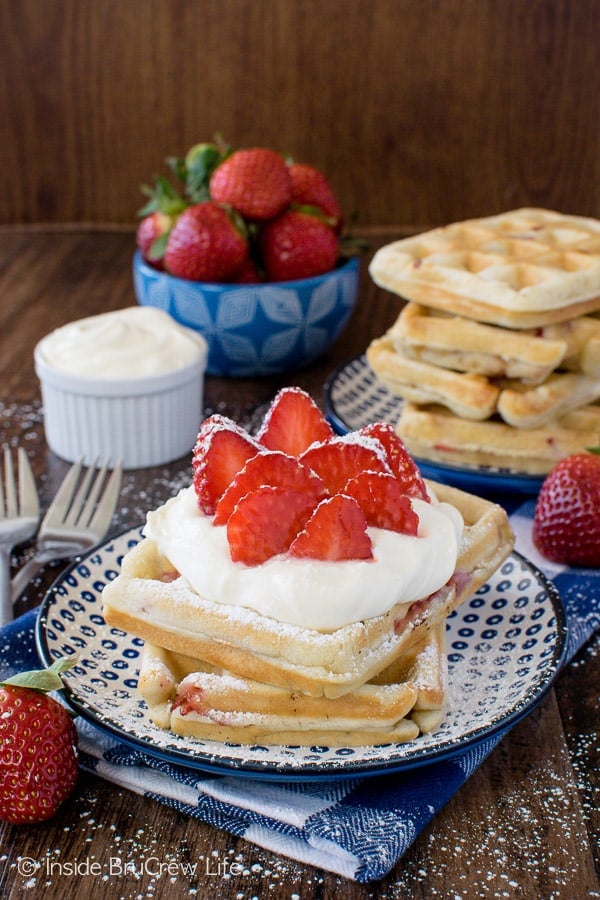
{"points": [[354, 397], [505, 646]]}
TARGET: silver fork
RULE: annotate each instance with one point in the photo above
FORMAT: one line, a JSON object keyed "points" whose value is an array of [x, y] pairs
{"points": [[19, 517], [77, 519]]}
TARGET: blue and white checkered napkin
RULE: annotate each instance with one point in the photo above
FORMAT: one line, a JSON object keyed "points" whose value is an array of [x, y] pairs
{"points": [[358, 828]]}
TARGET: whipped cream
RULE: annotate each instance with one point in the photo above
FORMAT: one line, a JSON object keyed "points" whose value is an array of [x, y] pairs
{"points": [[316, 594], [129, 343]]}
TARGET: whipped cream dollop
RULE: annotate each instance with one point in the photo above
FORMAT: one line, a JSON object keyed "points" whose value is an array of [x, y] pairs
{"points": [[129, 343], [316, 594]]}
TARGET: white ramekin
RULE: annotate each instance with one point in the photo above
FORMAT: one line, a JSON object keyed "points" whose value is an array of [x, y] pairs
{"points": [[143, 421]]}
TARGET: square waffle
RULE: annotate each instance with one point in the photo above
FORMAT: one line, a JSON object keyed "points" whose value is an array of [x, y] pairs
{"points": [[518, 269], [478, 397], [194, 699], [466, 394], [436, 434], [147, 601], [464, 345]]}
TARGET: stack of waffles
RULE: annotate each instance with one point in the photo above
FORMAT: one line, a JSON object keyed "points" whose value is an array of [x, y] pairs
{"points": [[219, 672], [497, 350]]}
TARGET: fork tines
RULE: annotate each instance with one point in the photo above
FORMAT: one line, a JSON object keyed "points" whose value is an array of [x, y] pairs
{"points": [[86, 499], [25, 502]]}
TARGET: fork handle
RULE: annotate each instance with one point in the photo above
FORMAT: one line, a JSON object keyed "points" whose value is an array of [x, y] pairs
{"points": [[6, 613], [33, 566]]}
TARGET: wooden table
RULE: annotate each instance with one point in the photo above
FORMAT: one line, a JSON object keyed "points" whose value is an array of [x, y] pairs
{"points": [[524, 826]]}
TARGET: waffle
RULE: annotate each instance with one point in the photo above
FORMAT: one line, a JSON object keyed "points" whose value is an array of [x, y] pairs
{"points": [[169, 614], [582, 337], [468, 395], [476, 397], [193, 699], [464, 345], [518, 269], [561, 393], [435, 434]]}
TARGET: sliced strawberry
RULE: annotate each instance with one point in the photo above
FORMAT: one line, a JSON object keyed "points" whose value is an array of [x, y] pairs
{"points": [[341, 458], [222, 449], [337, 530], [265, 522], [383, 501], [398, 459], [268, 468], [293, 422]]}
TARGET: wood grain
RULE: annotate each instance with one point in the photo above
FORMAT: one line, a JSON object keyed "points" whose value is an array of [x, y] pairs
{"points": [[421, 113], [526, 823]]}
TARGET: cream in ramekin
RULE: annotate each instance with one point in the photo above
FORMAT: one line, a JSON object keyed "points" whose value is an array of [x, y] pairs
{"points": [[125, 385]]}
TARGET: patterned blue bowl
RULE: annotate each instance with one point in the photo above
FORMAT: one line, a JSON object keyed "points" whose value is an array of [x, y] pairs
{"points": [[256, 329]]}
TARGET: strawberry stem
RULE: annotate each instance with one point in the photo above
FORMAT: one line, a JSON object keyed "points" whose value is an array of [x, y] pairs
{"points": [[42, 679]]}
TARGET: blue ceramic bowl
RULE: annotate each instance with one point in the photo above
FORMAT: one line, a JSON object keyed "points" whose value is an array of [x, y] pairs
{"points": [[256, 329]]}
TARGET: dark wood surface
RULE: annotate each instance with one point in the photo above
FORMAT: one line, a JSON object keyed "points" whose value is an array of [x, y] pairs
{"points": [[421, 111], [525, 825]]}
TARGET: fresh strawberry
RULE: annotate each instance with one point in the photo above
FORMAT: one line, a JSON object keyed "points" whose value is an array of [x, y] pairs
{"points": [[256, 182], [271, 468], [248, 273], [222, 449], [158, 216], [398, 459], [265, 522], [337, 530], [196, 168], [293, 422], [151, 237], [310, 187], [383, 501], [339, 459], [38, 747], [205, 245], [297, 245], [566, 526]]}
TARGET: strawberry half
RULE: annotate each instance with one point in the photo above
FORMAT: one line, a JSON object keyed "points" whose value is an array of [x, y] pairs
{"points": [[222, 449], [265, 522], [398, 459], [337, 530], [383, 501], [339, 459], [566, 525], [293, 422], [271, 468]]}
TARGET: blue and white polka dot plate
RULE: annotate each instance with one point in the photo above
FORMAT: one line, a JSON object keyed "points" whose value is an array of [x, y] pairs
{"points": [[354, 397], [505, 646]]}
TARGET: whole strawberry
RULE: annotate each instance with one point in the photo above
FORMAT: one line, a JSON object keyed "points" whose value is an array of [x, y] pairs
{"points": [[255, 182], [151, 237], [566, 527], [310, 187], [205, 245], [297, 245], [38, 740]]}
